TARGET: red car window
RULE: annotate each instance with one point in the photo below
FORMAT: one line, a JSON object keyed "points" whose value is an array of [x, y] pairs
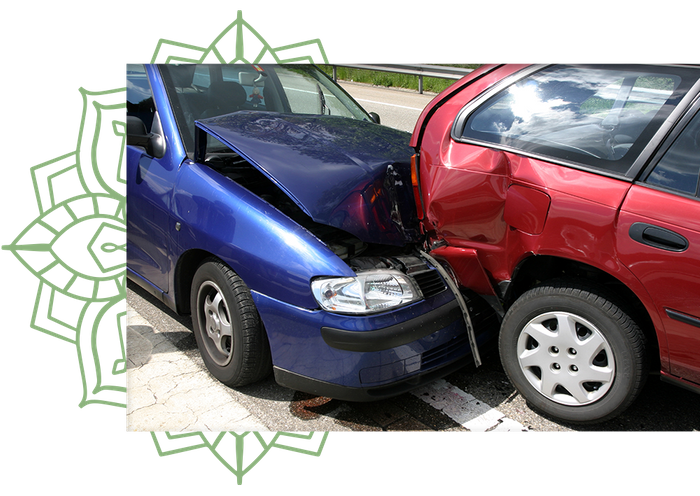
{"points": [[599, 117], [679, 169]]}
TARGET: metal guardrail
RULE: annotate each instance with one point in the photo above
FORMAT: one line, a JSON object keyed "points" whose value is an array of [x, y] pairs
{"points": [[436, 71]]}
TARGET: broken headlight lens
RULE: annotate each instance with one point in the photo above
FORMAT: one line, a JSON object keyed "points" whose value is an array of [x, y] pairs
{"points": [[369, 292]]}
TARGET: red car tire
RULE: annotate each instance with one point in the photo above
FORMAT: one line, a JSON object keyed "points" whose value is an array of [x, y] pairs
{"points": [[573, 353]]}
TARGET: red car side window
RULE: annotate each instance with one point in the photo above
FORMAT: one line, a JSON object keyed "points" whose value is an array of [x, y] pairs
{"points": [[600, 117], [679, 169]]}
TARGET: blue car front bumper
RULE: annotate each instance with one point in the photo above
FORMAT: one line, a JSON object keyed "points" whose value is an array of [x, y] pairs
{"points": [[364, 358]]}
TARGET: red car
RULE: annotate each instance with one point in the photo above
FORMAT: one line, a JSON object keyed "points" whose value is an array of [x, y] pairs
{"points": [[568, 198]]}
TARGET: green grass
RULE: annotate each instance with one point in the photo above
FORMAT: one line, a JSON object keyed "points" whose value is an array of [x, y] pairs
{"points": [[393, 80]]}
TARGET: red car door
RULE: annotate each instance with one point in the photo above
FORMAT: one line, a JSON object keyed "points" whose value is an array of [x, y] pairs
{"points": [[659, 241]]}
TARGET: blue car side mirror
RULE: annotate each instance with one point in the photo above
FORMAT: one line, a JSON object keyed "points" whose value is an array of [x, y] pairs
{"points": [[136, 135]]}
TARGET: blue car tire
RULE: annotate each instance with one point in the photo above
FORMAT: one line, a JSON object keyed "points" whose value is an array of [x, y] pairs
{"points": [[227, 326]]}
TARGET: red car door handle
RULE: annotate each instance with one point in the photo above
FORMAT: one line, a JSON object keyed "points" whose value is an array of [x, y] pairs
{"points": [[658, 237]]}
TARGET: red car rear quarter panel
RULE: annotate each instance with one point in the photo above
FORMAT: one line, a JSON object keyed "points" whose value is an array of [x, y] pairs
{"points": [[579, 223], [578, 229], [466, 190], [581, 219]]}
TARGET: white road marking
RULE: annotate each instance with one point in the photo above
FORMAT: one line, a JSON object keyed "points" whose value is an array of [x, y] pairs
{"points": [[465, 409], [389, 105]]}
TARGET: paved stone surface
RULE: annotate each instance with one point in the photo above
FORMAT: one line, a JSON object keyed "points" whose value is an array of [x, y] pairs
{"points": [[167, 391]]}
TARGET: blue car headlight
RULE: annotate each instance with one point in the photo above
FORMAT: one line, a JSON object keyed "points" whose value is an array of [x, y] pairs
{"points": [[368, 292]]}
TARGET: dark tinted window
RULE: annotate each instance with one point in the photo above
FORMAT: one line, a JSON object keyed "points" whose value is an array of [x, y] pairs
{"points": [[139, 100], [679, 169], [598, 116]]}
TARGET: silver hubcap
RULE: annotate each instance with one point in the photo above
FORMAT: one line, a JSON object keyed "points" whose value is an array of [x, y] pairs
{"points": [[215, 323], [566, 358]]}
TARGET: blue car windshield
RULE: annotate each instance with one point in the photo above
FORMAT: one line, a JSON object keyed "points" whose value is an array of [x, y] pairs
{"points": [[203, 91]]}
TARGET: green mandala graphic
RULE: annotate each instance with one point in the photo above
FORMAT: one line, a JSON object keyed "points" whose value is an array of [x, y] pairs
{"points": [[230, 446], [238, 43], [76, 248]]}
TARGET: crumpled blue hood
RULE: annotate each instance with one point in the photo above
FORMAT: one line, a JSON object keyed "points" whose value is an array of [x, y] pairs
{"points": [[346, 173]]}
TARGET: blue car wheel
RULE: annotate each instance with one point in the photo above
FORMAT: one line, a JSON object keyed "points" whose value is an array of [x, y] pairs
{"points": [[227, 327]]}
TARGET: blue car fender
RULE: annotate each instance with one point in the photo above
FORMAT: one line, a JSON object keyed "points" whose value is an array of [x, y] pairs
{"points": [[271, 253]]}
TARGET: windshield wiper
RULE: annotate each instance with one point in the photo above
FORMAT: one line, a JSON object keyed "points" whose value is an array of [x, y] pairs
{"points": [[322, 99]]}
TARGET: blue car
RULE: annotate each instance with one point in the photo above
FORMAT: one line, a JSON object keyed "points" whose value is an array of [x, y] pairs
{"points": [[265, 202]]}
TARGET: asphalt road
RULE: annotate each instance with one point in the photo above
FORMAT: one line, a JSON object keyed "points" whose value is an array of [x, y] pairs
{"points": [[397, 108], [469, 399]]}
